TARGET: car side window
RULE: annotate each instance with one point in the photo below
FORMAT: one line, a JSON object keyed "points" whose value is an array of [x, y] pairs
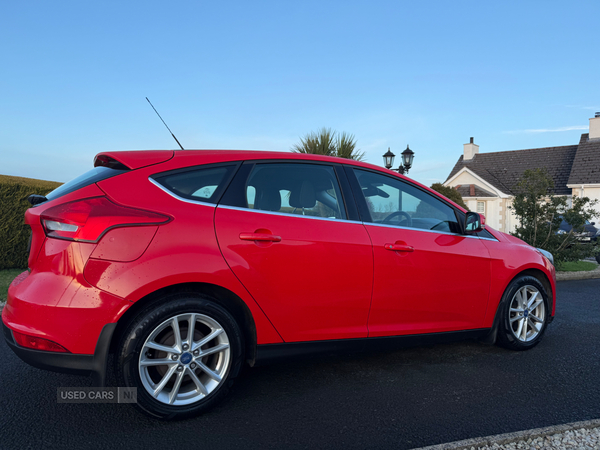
{"points": [[300, 189], [200, 184], [392, 201]]}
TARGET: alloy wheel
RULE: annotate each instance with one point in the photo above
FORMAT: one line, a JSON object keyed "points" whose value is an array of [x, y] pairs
{"points": [[184, 359], [527, 313]]}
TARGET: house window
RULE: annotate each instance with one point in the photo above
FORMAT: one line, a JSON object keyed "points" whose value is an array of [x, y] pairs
{"points": [[481, 207]]}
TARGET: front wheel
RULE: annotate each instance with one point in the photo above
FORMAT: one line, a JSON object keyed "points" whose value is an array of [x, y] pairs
{"points": [[524, 313], [182, 356]]}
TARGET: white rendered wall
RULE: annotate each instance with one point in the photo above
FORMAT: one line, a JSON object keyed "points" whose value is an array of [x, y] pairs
{"points": [[595, 128], [592, 193]]}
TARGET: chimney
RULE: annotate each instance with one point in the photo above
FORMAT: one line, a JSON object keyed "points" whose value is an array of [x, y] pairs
{"points": [[472, 190], [595, 127], [471, 149]]}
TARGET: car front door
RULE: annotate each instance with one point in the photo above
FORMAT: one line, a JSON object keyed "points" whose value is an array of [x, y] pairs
{"points": [[428, 276], [284, 230]]}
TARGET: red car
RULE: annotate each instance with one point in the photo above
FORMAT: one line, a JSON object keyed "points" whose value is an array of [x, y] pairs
{"points": [[189, 264]]}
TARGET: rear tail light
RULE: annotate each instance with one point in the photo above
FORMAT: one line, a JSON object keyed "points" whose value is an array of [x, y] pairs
{"points": [[37, 343], [52, 225], [88, 219]]}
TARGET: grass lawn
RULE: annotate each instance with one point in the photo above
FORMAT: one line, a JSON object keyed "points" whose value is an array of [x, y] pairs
{"points": [[6, 277], [577, 266]]}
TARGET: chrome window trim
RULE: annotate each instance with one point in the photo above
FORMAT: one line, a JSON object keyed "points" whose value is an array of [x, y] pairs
{"points": [[260, 211], [186, 200], [487, 239], [426, 231]]}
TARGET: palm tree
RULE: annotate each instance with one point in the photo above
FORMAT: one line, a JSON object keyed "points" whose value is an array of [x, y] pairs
{"points": [[329, 143], [346, 147]]}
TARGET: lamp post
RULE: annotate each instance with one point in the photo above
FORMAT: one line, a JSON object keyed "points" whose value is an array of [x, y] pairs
{"points": [[407, 160]]}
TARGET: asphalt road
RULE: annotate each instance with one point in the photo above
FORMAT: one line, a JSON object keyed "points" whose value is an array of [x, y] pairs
{"points": [[394, 400]]}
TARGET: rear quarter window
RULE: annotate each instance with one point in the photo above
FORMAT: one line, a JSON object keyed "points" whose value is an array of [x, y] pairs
{"points": [[202, 184]]}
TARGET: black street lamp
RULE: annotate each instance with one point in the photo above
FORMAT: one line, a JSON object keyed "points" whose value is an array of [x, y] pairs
{"points": [[407, 159], [388, 159]]}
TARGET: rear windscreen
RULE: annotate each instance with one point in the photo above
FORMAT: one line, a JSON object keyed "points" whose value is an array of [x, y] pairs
{"points": [[90, 177]]}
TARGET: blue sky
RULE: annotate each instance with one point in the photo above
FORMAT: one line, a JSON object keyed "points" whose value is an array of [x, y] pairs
{"points": [[260, 74]]}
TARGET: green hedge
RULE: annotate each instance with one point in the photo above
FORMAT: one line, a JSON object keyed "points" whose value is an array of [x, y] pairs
{"points": [[14, 233]]}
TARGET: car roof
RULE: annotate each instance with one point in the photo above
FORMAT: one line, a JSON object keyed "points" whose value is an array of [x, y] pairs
{"points": [[140, 158]]}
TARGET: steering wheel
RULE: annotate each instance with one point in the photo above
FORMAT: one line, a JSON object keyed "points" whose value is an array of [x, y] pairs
{"points": [[389, 218]]}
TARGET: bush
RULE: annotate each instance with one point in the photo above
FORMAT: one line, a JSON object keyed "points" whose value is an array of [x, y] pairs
{"points": [[14, 233], [540, 214], [450, 193]]}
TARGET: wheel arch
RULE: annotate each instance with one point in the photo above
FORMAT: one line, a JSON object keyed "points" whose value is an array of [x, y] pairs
{"points": [[542, 278], [227, 299], [535, 273]]}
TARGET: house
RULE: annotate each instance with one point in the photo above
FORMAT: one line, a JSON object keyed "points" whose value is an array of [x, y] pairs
{"points": [[486, 181]]}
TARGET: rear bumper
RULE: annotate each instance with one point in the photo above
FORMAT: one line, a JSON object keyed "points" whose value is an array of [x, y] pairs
{"points": [[67, 362], [65, 310], [62, 309]]}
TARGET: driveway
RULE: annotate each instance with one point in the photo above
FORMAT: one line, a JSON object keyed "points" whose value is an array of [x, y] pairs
{"points": [[401, 399]]}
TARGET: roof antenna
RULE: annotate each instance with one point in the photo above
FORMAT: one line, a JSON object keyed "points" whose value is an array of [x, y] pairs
{"points": [[165, 124]]}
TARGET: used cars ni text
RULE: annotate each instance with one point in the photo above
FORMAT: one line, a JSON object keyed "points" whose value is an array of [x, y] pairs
{"points": [[189, 264]]}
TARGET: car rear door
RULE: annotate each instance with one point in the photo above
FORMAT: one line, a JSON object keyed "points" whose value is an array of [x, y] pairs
{"points": [[428, 277], [287, 234]]}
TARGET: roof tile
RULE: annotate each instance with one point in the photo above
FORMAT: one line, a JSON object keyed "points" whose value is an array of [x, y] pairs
{"points": [[465, 191], [504, 169], [586, 165]]}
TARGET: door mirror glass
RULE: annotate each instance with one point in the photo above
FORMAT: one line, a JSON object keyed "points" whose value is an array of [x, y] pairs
{"points": [[474, 222]]}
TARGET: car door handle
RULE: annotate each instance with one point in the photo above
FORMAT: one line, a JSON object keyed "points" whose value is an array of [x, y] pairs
{"points": [[399, 247], [259, 237]]}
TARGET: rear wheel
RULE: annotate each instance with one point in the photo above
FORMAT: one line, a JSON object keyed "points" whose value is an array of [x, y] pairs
{"points": [[524, 314], [182, 356]]}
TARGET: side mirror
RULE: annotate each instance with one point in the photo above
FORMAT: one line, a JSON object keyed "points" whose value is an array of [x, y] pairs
{"points": [[474, 222]]}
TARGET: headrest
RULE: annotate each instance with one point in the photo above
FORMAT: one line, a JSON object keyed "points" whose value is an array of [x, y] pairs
{"points": [[268, 200], [303, 196]]}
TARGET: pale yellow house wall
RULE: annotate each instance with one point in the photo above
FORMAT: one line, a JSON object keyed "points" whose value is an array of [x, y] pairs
{"points": [[494, 206], [493, 210], [511, 220], [593, 193], [465, 179]]}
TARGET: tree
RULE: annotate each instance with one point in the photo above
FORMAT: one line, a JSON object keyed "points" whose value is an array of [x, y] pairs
{"points": [[540, 214], [450, 193], [329, 143]]}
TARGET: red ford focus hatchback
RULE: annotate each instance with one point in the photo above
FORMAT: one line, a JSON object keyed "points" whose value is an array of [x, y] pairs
{"points": [[188, 264]]}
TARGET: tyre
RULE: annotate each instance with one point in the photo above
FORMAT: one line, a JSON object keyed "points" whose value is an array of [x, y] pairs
{"points": [[182, 355], [524, 312]]}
